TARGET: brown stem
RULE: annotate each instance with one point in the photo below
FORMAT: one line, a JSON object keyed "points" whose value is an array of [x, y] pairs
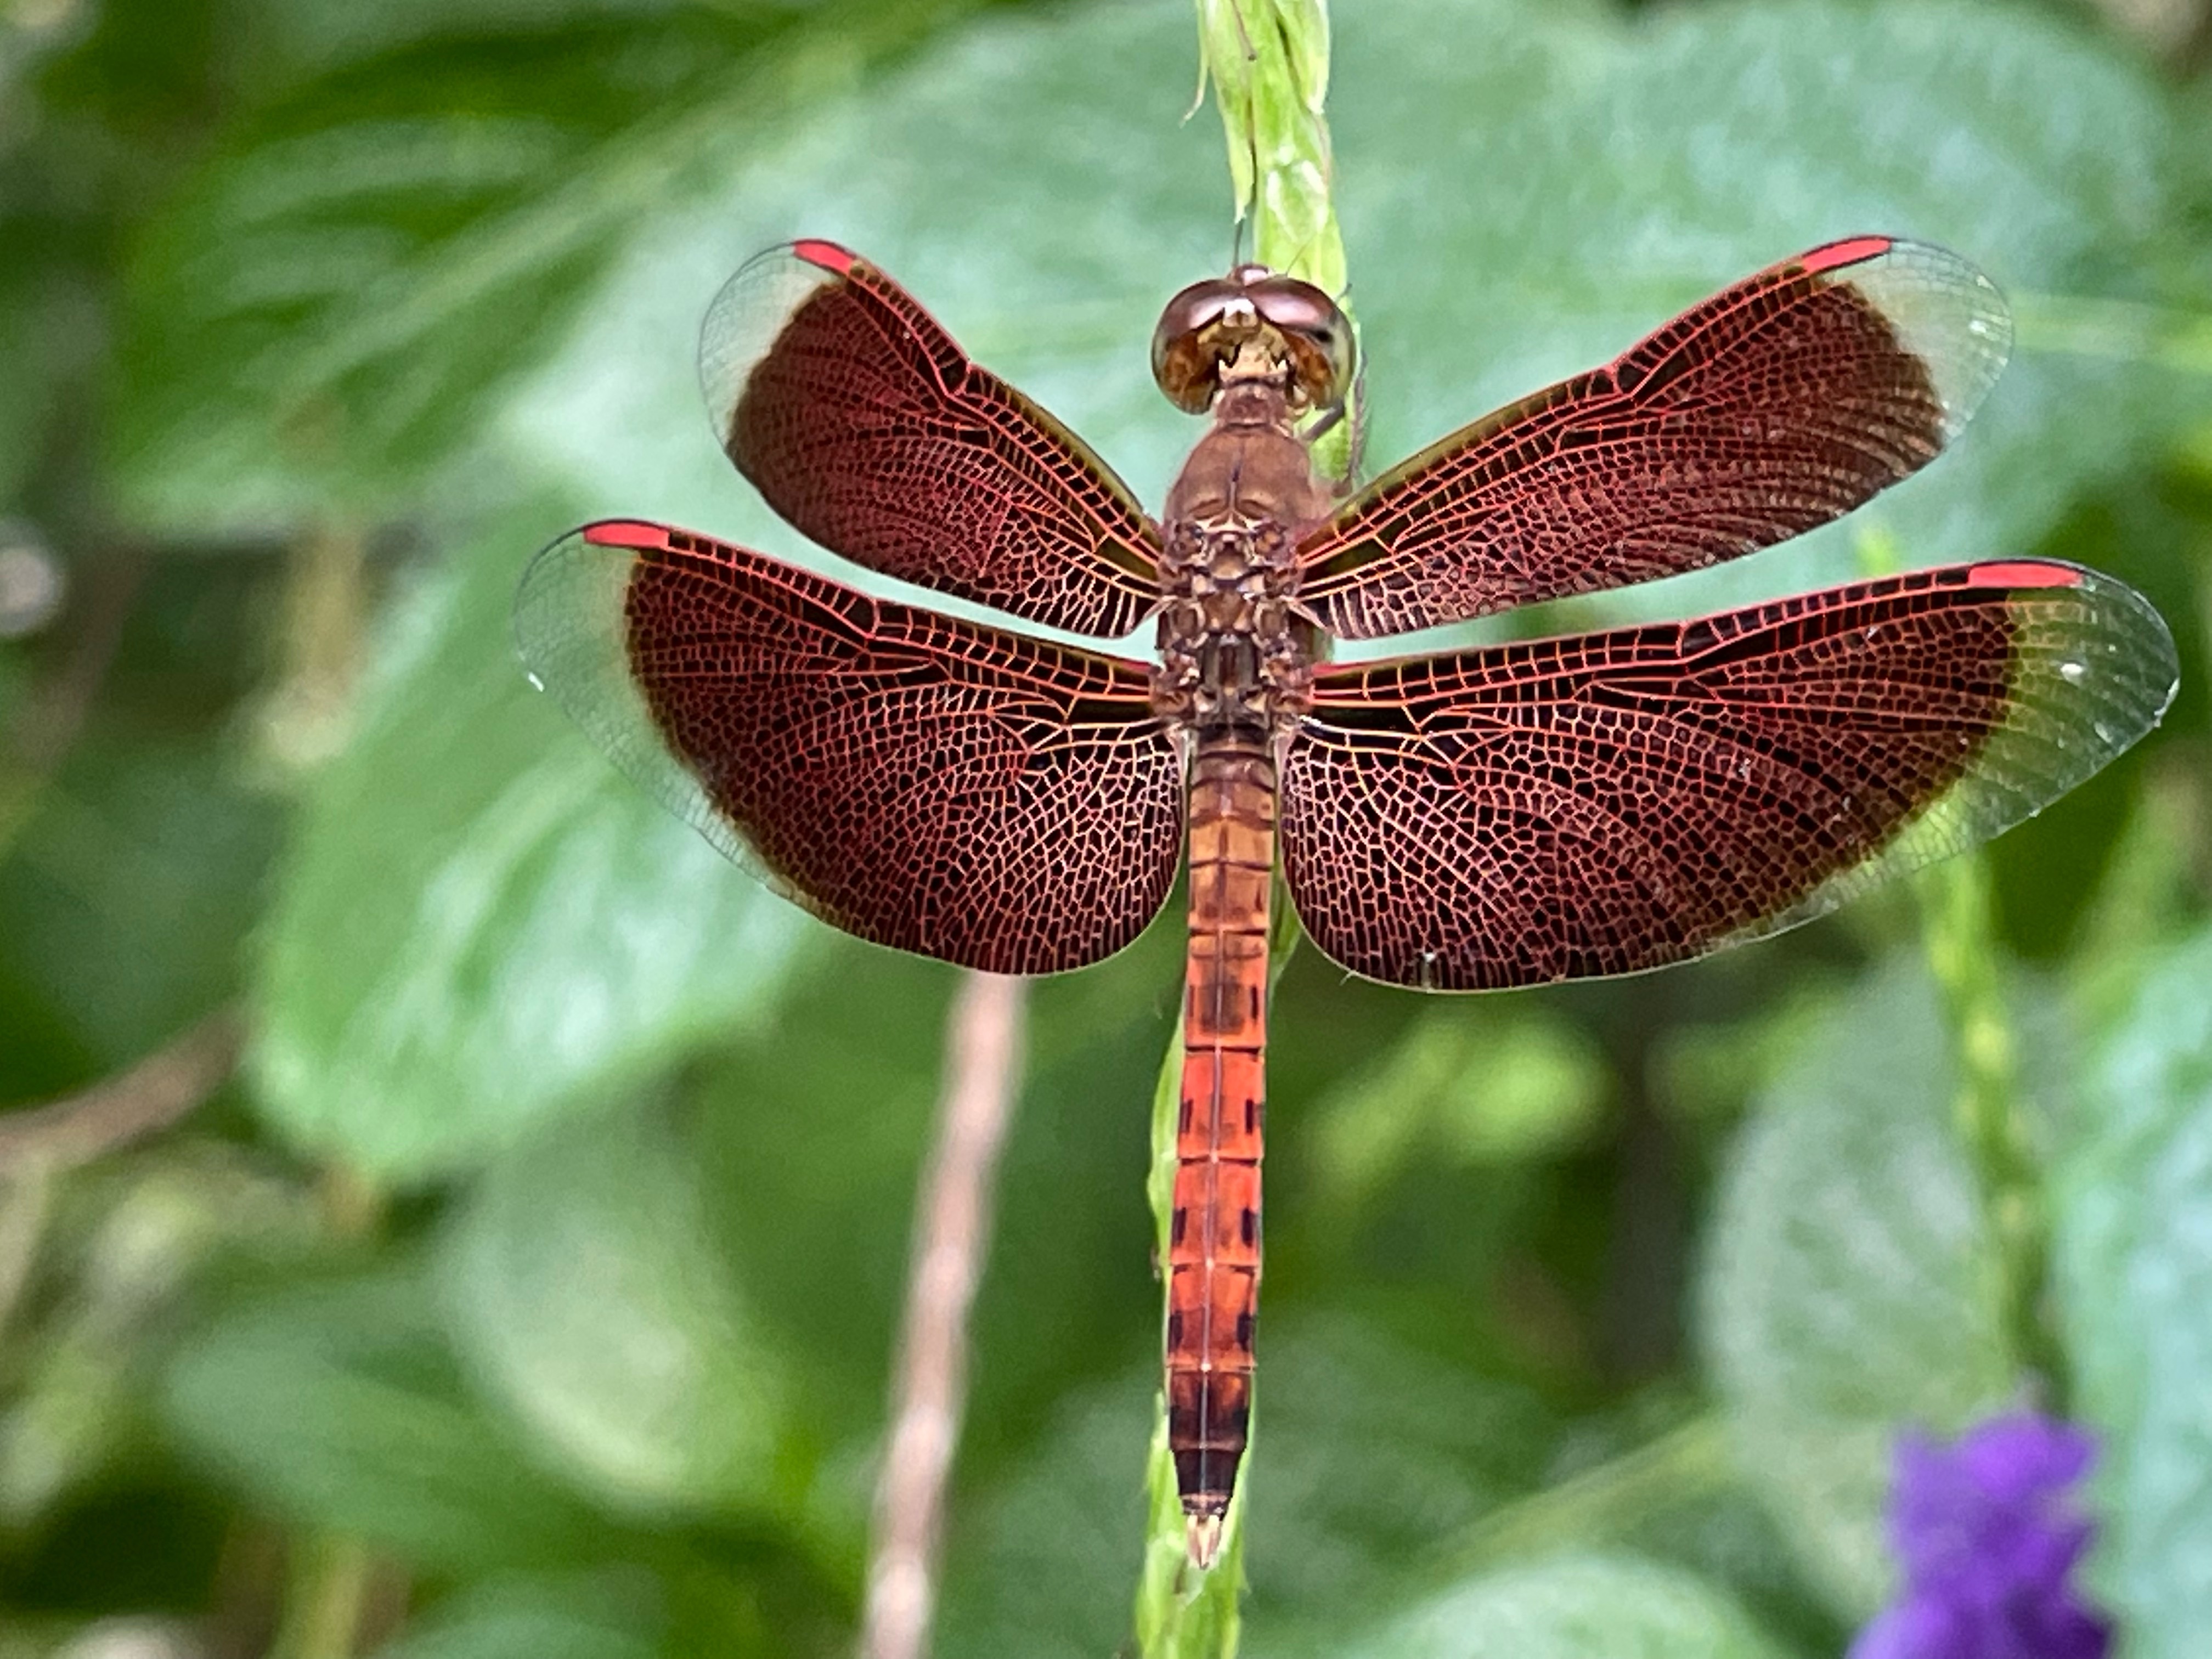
{"points": [[2172, 28], [951, 1225], [325, 604], [152, 1095], [48, 726], [339, 1597], [41, 1142]]}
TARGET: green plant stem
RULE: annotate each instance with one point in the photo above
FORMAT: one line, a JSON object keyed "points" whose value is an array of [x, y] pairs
{"points": [[2122, 330], [1957, 932], [1268, 64], [329, 1577], [327, 1591], [1180, 1612]]}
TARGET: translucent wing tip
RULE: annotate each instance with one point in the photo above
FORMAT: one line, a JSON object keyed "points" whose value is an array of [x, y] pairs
{"points": [[750, 311], [2094, 671], [571, 631], [568, 602], [1945, 310], [568, 619], [2115, 653]]}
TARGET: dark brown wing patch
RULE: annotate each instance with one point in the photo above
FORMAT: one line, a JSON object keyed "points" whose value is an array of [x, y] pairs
{"points": [[926, 783], [1607, 803], [1775, 406], [865, 425]]}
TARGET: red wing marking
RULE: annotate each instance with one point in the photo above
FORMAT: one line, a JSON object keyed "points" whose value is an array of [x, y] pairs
{"points": [[926, 783], [1850, 251], [2032, 572], [625, 532], [1607, 803], [832, 258], [1776, 405], [864, 424]]}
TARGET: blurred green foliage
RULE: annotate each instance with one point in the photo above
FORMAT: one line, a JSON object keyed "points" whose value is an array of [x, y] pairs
{"points": [[533, 1284]]}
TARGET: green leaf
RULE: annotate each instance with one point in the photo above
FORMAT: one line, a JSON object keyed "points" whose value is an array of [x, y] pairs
{"points": [[337, 1405], [1477, 1083], [118, 1247], [130, 877], [478, 924], [1661, 1484], [1373, 1453], [812, 1136], [43, 330], [1592, 1607], [318, 35], [1848, 1288], [1649, 164], [331, 308], [328, 307], [2133, 1253], [1038, 1567], [584, 1290], [573, 1618]]}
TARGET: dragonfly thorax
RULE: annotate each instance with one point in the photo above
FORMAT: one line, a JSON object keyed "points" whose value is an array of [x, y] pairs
{"points": [[1234, 653]]}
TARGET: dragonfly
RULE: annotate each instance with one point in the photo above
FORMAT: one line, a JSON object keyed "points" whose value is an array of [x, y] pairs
{"points": [[1499, 816]]}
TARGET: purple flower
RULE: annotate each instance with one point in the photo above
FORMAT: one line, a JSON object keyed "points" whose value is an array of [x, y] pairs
{"points": [[1987, 1534]]}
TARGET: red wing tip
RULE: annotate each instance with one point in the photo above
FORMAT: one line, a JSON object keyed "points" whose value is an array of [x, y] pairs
{"points": [[1852, 251], [828, 255], [2024, 573], [625, 532]]}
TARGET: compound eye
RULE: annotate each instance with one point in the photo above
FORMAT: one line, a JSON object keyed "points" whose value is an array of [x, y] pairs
{"points": [[1185, 362], [1318, 333]]}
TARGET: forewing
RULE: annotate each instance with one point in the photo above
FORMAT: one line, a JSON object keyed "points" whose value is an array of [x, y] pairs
{"points": [[863, 424], [946, 788], [1772, 407], [1607, 803]]}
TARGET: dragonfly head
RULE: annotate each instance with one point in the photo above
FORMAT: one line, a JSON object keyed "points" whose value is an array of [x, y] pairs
{"points": [[1253, 323]]}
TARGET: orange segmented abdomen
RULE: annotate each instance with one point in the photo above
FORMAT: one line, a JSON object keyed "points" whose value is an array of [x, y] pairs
{"points": [[1213, 1241]]}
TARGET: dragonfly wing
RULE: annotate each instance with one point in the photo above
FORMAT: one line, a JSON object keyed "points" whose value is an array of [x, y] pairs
{"points": [[863, 424], [947, 788], [1772, 407], [1608, 803]]}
